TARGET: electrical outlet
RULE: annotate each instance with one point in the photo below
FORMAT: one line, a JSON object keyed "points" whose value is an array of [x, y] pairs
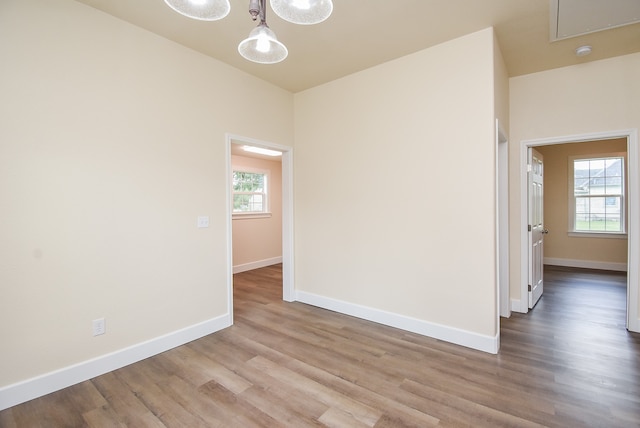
{"points": [[99, 327]]}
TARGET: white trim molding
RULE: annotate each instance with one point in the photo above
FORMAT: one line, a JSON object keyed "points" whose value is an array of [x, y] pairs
{"points": [[257, 264], [633, 231], [454, 335], [517, 306], [29, 389], [586, 264], [502, 223]]}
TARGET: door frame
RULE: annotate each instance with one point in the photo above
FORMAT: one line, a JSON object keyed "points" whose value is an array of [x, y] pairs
{"points": [[502, 222], [633, 218], [288, 287]]}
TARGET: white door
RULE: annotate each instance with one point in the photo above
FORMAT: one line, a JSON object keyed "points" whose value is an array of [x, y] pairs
{"points": [[536, 226]]}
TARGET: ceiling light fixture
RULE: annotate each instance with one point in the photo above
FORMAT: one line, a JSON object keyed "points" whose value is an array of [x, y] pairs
{"points": [[304, 12], [262, 151], [204, 10], [583, 51], [261, 46]]}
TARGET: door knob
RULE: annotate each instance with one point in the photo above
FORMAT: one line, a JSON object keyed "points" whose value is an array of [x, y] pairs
{"points": [[545, 231]]}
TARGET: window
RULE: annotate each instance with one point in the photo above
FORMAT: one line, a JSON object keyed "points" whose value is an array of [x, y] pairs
{"points": [[250, 194], [597, 194]]}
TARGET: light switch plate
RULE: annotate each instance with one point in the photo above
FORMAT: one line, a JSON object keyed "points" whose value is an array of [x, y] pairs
{"points": [[99, 327], [203, 221]]}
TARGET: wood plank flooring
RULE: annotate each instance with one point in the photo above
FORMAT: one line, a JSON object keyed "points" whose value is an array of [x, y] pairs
{"points": [[568, 363]]}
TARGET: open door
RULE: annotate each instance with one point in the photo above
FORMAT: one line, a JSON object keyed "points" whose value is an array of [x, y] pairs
{"points": [[536, 226]]}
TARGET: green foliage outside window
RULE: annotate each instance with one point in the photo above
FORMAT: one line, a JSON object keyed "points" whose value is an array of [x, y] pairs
{"points": [[249, 192]]}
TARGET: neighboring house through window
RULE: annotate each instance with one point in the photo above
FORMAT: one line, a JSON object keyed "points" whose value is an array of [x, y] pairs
{"points": [[597, 194]]}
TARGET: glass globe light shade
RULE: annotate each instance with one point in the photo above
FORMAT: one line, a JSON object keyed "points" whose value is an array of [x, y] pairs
{"points": [[262, 46], [304, 12], [204, 10]]}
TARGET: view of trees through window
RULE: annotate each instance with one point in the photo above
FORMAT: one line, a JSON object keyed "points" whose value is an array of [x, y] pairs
{"points": [[598, 192], [249, 192]]}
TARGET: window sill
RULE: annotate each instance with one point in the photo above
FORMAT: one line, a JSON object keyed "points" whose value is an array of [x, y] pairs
{"points": [[248, 216], [610, 235]]}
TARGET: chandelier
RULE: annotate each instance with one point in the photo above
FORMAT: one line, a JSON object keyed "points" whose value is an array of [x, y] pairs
{"points": [[262, 45]]}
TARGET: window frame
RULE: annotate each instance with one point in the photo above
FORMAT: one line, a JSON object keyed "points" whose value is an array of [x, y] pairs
{"points": [[572, 198], [266, 212]]}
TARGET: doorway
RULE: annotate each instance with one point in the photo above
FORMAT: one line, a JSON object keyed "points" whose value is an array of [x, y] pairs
{"points": [[232, 142], [633, 220]]}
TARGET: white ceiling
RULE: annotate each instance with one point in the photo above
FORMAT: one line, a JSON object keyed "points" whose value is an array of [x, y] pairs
{"points": [[363, 33]]}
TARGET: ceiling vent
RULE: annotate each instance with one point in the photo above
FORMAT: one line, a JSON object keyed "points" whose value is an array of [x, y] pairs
{"points": [[571, 18]]}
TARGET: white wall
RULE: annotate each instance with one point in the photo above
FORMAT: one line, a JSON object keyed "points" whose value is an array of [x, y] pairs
{"points": [[112, 142], [395, 193], [257, 242], [600, 96]]}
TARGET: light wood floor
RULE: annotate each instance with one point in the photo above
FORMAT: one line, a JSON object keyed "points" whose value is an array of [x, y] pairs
{"points": [[568, 363]]}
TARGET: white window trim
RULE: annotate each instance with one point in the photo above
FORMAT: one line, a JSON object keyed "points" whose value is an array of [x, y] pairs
{"points": [[252, 215], [572, 200], [248, 216]]}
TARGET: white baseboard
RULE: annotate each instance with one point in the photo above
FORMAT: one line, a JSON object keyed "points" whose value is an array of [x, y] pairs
{"points": [[257, 265], [449, 334], [586, 264], [29, 389], [521, 306]]}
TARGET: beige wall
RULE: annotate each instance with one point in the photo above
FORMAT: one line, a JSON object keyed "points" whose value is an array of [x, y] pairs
{"points": [[257, 240], [600, 96], [112, 142], [501, 88], [558, 244], [395, 187]]}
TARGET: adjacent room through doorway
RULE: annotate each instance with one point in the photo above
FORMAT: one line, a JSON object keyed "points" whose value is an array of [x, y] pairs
{"points": [[587, 216], [260, 210]]}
